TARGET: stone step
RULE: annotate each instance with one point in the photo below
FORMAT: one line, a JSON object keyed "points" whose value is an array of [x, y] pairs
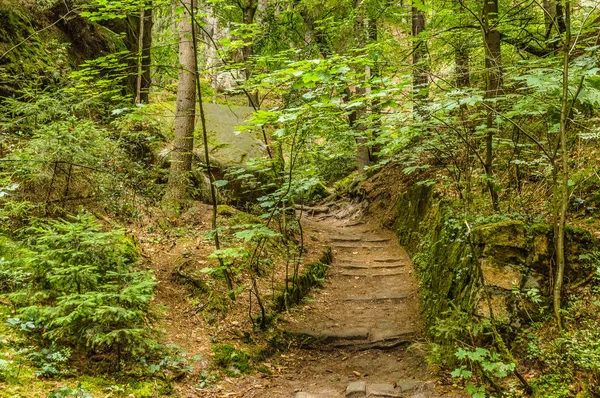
{"points": [[358, 338], [358, 239], [346, 259], [375, 299], [305, 395], [364, 275], [329, 336], [376, 266], [405, 388], [357, 246], [353, 224], [388, 260]]}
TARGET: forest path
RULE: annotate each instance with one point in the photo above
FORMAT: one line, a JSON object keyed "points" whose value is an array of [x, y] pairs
{"points": [[359, 335]]}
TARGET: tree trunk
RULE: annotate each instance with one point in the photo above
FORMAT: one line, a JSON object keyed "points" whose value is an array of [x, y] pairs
{"points": [[146, 55], [140, 73], [363, 156], [138, 40], [549, 7], [419, 59], [248, 12], [462, 65], [493, 68], [564, 191], [560, 18], [374, 72], [185, 116]]}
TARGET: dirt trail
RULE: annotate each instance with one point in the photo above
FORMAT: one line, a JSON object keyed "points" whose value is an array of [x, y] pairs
{"points": [[359, 334]]}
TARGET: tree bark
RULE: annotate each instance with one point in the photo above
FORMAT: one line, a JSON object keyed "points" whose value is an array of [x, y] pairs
{"points": [[493, 68], [549, 7], [249, 8], [462, 59], [185, 117], [419, 59], [138, 88], [363, 155], [374, 73], [564, 190], [146, 55]]}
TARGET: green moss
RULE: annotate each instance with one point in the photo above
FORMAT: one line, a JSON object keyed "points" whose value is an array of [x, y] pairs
{"points": [[313, 275], [25, 56], [440, 251], [539, 229], [231, 359], [236, 217], [503, 233]]}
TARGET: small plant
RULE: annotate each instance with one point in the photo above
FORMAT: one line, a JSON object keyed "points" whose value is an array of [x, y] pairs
{"points": [[66, 392], [173, 365], [50, 362], [6, 369], [206, 379], [234, 361], [483, 361]]}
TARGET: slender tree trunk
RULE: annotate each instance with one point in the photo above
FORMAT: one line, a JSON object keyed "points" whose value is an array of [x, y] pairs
{"points": [[560, 18], [132, 32], [493, 68], [146, 55], [549, 7], [374, 72], [462, 60], [564, 191], [248, 12], [185, 117], [138, 88], [363, 156], [419, 59], [211, 178]]}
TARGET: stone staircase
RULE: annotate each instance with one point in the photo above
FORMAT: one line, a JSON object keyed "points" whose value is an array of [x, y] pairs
{"points": [[370, 302]]}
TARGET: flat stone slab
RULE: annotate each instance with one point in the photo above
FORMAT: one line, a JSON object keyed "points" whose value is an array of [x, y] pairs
{"points": [[381, 298], [348, 259], [356, 389], [358, 239], [382, 390], [346, 239], [353, 224], [406, 385], [357, 246], [333, 335], [392, 335], [376, 266], [304, 395], [363, 275]]}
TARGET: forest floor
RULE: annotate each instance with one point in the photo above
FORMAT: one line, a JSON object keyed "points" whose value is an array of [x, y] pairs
{"points": [[360, 331]]}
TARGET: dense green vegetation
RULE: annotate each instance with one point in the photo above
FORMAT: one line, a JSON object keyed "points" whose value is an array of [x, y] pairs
{"points": [[475, 121]]}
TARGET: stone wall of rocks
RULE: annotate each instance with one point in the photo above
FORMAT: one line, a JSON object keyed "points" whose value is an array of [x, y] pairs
{"points": [[515, 257]]}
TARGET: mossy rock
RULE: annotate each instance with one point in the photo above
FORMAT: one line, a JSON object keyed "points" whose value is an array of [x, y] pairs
{"points": [[237, 217], [509, 233]]}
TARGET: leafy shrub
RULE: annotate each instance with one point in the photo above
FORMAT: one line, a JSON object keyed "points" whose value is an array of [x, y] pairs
{"points": [[84, 290]]}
